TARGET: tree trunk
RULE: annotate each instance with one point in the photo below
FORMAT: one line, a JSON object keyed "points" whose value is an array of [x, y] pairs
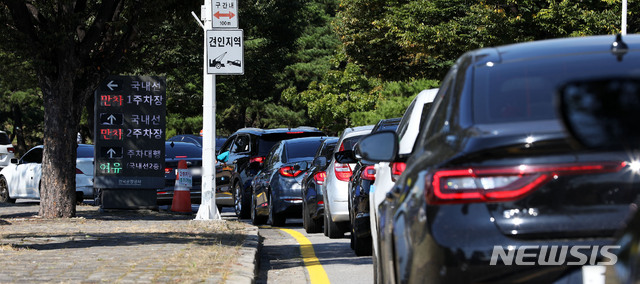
{"points": [[21, 145], [61, 119]]}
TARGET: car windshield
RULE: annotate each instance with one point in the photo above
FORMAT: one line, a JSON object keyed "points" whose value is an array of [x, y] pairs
{"points": [[524, 90], [349, 143], [4, 139]]}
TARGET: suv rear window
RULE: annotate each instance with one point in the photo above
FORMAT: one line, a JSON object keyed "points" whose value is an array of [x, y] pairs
{"points": [[524, 90], [301, 150], [85, 152], [268, 140], [4, 139], [183, 149]]}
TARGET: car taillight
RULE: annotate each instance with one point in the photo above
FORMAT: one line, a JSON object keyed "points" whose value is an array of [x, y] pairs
{"points": [[343, 171], [11, 150], [295, 132], [79, 172], [257, 160], [321, 202], [469, 185], [167, 170], [289, 171], [369, 173], [396, 170], [319, 177]]}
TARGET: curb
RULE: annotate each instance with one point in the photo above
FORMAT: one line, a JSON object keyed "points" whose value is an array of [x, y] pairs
{"points": [[245, 270]]}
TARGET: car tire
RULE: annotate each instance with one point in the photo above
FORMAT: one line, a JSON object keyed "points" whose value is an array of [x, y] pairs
{"points": [[4, 192], [255, 218], [275, 219], [219, 208], [312, 226], [333, 230], [305, 219], [241, 202], [361, 246]]}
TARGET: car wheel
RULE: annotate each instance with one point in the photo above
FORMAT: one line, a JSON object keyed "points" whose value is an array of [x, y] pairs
{"points": [[4, 192], [305, 217], [361, 246], [240, 202], [312, 226], [255, 218], [219, 208], [276, 219], [333, 230]]}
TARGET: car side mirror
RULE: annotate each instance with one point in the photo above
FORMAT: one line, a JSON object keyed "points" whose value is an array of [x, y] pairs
{"points": [[320, 162], [378, 147], [14, 160], [345, 157], [602, 114]]}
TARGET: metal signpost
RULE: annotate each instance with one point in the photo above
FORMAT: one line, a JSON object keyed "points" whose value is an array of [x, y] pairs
{"points": [[222, 55], [130, 116]]}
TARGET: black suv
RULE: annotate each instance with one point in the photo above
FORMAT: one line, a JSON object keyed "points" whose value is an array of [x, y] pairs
{"points": [[493, 174], [247, 149]]}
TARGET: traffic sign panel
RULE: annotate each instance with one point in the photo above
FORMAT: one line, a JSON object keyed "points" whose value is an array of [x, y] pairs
{"points": [[225, 14], [130, 132], [225, 52]]}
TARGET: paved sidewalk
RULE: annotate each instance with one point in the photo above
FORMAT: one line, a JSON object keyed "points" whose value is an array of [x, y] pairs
{"points": [[123, 246]]}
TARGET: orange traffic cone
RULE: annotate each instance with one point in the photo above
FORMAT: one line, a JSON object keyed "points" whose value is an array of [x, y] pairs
{"points": [[181, 191]]}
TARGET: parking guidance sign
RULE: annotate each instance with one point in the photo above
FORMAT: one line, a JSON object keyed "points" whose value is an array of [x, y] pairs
{"points": [[130, 120], [225, 52]]}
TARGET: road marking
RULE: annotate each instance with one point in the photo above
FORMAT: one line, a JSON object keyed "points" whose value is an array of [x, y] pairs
{"points": [[311, 262]]}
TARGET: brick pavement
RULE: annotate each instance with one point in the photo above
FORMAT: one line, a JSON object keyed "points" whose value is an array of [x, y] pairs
{"points": [[124, 246]]}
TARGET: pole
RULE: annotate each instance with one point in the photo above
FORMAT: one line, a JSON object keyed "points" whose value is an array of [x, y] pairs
{"points": [[624, 18], [208, 209]]}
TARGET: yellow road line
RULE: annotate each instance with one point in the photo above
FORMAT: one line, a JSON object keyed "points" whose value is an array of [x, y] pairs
{"points": [[311, 262]]}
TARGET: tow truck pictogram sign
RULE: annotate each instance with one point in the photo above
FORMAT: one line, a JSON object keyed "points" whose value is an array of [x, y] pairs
{"points": [[225, 52]]}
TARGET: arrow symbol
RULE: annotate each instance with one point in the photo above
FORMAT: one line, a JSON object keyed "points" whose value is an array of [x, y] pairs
{"points": [[111, 118], [112, 85], [228, 15], [111, 152]]}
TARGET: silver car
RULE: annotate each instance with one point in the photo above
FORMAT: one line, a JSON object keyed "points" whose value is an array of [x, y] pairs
{"points": [[336, 189]]}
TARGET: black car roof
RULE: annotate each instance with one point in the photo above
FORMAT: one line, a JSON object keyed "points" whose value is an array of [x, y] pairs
{"points": [[306, 139], [553, 47], [260, 131]]}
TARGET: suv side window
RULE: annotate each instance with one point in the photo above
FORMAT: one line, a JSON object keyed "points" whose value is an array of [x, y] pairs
{"points": [[273, 157], [33, 156], [439, 120], [241, 145], [227, 145]]}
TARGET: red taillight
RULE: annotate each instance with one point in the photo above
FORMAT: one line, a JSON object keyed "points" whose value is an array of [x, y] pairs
{"points": [[369, 173], [180, 157], [343, 171], [396, 170], [167, 170], [319, 177], [11, 150], [295, 132], [321, 202], [257, 160], [501, 183], [79, 172], [289, 171]]}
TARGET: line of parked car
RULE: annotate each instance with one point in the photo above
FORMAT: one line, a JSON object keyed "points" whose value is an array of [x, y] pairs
{"points": [[482, 162]]}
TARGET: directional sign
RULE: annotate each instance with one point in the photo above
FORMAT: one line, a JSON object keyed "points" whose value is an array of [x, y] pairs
{"points": [[225, 52], [130, 132], [111, 118], [225, 14]]}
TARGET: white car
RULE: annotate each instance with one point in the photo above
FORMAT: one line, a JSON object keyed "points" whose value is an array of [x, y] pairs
{"points": [[6, 150], [336, 190], [21, 178], [408, 130]]}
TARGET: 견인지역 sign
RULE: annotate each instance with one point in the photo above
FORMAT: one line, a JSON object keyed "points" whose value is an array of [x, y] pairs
{"points": [[225, 54], [225, 14], [130, 116]]}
